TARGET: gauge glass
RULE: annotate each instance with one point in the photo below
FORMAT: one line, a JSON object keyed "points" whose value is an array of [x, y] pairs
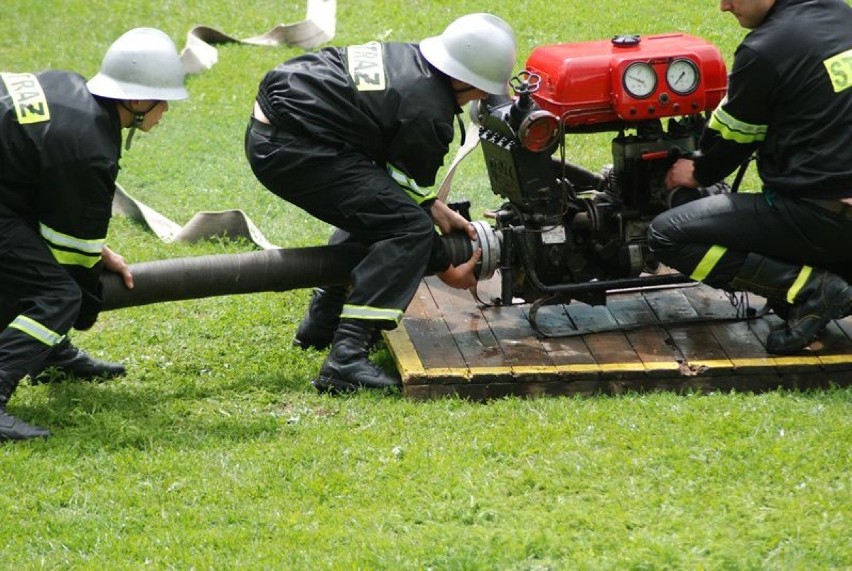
{"points": [[682, 76], [640, 80]]}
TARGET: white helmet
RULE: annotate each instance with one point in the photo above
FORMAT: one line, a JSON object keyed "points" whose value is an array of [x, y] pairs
{"points": [[141, 64], [478, 49]]}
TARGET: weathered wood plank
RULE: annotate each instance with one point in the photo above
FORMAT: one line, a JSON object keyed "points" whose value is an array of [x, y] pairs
{"points": [[470, 330], [435, 345], [700, 353], [611, 350], [651, 343], [757, 383], [448, 345], [736, 338], [423, 305], [525, 356], [429, 333], [570, 356]]}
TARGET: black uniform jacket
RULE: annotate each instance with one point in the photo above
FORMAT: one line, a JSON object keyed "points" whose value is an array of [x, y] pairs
{"points": [[790, 98], [59, 153], [380, 99]]}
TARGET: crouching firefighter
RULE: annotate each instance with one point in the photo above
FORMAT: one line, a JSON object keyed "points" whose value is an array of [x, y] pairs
{"points": [[792, 107], [60, 144], [355, 136]]}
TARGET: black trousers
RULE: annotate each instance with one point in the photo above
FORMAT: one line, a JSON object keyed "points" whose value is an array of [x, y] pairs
{"points": [[789, 230], [39, 301], [347, 190]]}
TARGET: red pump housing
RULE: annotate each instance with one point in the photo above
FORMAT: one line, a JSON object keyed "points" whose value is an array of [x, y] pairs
{"points": [[628, 79]]}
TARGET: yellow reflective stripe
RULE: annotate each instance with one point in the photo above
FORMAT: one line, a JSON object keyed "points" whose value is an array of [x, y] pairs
{"points": [[28, 97], [708, 262], [421, 198], [67, 258], [404, 180], [36, 330], [410, 186], [800, 282], [367, 312], [68, 241], [732, 129], [840, 70]]}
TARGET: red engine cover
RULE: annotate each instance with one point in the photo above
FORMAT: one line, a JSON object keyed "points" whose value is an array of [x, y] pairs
{"points": [[628, 78]]}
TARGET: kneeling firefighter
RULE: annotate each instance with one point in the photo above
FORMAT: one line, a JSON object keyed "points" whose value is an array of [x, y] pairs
{"points": [[790, 107], [355, 136], [60, 143]]}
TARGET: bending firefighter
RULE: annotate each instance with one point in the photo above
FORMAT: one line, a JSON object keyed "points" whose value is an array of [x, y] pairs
{"points": [[355, 136], [789, 101], [60, 144]]}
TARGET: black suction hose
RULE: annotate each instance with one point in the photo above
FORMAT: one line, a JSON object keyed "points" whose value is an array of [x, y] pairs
{"points": [[228, 274]]}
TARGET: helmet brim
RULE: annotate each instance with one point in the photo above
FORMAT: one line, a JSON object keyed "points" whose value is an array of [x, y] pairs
{"points": [[435, 52], [104, 86]]}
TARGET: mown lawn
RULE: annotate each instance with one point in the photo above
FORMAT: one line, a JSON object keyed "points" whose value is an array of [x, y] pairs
{"points": [[215, 453]]}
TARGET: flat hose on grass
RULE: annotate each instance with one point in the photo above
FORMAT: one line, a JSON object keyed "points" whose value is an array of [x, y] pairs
{"points": [[252, 272]]}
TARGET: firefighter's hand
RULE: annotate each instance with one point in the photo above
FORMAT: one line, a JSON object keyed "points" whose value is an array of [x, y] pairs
{"points": [[462, 276], [682, 173], [115, 263], [448, 220]]}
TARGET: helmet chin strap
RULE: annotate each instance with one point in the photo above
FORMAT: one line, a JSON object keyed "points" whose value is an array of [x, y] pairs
{"points": [[138, 118], [458, 91], [461, 128]]}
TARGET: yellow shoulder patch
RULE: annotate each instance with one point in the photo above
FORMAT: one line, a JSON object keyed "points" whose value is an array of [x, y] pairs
{"points": [[367, 67], [27, 97], [840, 70]]}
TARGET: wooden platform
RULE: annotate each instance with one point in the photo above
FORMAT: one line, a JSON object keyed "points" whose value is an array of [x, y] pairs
{"points": [[448, 344]]}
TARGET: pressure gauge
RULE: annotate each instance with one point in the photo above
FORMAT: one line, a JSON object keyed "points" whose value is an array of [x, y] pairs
{"points": [[639, 79], [682, 76]]}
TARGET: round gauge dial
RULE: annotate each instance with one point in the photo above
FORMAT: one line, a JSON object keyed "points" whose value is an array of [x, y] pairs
{"points": [[682, 76], [640, 79]]}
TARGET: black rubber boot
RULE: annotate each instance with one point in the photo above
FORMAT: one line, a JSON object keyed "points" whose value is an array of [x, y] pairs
{"points": [[12, 428], [67, 360], [823, 296], [780, 308], [316, 330], [347, 367]]}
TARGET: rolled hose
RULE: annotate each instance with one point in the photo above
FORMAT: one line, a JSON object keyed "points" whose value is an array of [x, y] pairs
{"points": [[228, 274]]}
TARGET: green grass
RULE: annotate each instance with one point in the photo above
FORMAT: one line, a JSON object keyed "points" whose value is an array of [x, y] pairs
{"points": [[215, 453]]}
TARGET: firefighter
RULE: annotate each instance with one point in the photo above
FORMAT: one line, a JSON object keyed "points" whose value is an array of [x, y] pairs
{"points": [[789, 101], [60, 143], [355, 136]]}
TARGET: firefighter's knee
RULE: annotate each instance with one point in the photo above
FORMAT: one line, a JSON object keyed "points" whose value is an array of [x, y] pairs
{"points": [[659, 238], [65, 299], [422, 227]]}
